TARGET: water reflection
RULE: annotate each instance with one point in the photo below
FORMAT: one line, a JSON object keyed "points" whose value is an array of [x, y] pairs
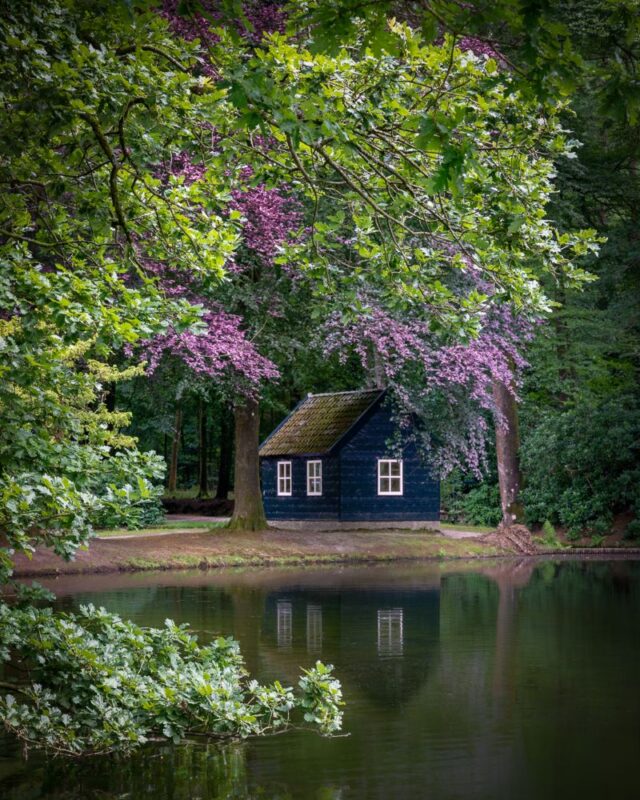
{"points": [[284, 624], [314, 628], [390, 632], [469, 681]]}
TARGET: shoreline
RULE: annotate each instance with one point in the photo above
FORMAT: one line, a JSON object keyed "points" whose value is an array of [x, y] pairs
{"points": [[222, 549]]}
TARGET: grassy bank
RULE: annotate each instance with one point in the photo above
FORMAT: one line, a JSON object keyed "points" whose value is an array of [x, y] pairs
{"points": [[177, 548], [177, 526], [219, 547]]}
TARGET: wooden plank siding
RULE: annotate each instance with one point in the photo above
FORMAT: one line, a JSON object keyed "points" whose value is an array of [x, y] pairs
{"points": [[300, 505], [359, 499]]}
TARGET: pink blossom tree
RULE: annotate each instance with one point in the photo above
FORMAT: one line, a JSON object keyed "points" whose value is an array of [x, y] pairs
{"points": [[247, 322]]}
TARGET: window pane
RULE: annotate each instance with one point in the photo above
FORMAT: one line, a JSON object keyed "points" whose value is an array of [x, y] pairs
{"points": [[284, 478], [390, 476]]}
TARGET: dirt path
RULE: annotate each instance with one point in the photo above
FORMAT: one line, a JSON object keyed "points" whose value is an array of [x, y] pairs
{"points": [[219, 547]]}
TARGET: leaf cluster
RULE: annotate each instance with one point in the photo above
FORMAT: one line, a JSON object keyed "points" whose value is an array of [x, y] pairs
{"points": [[94, 683]]}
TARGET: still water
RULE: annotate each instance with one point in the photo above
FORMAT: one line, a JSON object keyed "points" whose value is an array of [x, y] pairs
{"points": [[473, 681]]}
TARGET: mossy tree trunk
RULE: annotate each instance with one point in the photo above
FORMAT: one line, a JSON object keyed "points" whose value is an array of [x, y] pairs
{"points": [[248, 513], [507, 452]]}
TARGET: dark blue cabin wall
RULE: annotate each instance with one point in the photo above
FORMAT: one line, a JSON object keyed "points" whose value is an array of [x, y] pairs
{"points": [[300, 505], [359, 454]]}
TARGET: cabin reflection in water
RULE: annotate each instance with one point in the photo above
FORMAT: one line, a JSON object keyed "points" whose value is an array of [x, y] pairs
{"points": [[383, 641], [390, 632]]}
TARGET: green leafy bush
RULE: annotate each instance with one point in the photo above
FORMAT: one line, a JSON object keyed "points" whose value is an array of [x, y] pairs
{"points": [[127, 503], [632, 531], [550, 536], [478, 505], [119, 490], [582, 464], [96, 683]]}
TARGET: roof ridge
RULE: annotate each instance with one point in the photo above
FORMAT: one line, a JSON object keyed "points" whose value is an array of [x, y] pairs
{"points": [[345, 391]]}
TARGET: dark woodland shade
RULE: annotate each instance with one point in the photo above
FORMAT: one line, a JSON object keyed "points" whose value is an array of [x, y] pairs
{"points": [[318, 422], [348, 432]]}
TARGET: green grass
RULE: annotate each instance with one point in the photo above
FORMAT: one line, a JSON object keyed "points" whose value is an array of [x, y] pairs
{"points": [[182, 526], [440, 550]]}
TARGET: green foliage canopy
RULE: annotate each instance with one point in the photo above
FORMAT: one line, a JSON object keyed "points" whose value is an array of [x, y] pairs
{"points": [[428, 159]]}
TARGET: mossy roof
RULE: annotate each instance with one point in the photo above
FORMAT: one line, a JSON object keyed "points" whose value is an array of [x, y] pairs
{"points": [[318, 422]]}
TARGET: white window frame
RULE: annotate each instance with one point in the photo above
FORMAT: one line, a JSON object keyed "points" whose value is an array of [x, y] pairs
{"points": [[284, 479], [388, 477], [314, 478]]}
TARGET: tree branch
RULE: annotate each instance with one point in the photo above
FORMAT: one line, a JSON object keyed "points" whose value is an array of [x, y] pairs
{"points": [[113, 175]]}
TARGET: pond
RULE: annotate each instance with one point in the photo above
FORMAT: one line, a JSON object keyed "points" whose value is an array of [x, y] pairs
{"points": [[510, 679]]}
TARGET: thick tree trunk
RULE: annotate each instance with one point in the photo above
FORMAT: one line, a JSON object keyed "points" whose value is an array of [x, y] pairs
{"points": [[507, 447], [203, 450], [248, 511], [172, 484], [226, 453]]}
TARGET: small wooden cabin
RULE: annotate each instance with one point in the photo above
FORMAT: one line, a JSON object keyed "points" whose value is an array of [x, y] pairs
{"points": [[333, 460]]}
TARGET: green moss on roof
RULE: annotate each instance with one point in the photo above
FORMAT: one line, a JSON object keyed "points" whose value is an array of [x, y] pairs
{"points": [[318, 422]]}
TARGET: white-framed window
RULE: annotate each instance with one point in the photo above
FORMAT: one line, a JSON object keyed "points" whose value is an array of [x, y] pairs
{"points": [[314, 478], [284, 479], [390, 476]]}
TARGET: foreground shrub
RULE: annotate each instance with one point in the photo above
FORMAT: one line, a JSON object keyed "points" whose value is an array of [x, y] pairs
{"points": [[92, 683]]}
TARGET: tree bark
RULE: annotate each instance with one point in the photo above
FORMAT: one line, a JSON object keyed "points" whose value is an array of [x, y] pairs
{"points": [[172, 484], [226, 454], [203, 450], [507, 447], [248, 513]]}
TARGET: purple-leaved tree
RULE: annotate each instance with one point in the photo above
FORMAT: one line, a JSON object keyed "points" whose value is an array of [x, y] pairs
{"points": [[245, 324], [452, 389]]}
